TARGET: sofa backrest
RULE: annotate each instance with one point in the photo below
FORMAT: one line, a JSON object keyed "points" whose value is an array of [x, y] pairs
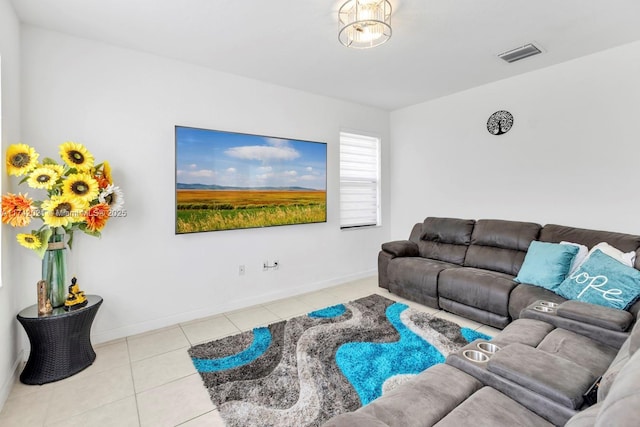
{"points": [[622, 405], [625, 242], [628, 349], [416, 232], [445, 239], [619, 391], [500, 245]]}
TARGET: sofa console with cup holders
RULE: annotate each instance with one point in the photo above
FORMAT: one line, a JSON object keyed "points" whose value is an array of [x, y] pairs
{"points": [[468, 267]]}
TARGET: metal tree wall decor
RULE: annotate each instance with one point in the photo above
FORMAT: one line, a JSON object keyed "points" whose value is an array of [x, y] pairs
{"points": [[500, 122]]}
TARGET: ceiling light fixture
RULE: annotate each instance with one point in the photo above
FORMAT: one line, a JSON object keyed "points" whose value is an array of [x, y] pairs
{"points": [[364, 23]]}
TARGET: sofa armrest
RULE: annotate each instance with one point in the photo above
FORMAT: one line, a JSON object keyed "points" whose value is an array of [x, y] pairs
{"points": [[593, 329], [401, 248], [605, 317], [549, 375]]}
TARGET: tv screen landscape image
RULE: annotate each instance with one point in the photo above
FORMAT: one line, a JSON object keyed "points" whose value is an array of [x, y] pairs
{"points": [[228, 180]]}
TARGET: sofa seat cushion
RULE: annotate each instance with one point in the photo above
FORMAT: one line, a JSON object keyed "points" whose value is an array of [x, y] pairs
{"points": [[553, 377], [524, 331], [524, 295], [590, 354], [416, 278], [483, 289], [489, 407], [472, 313], [421, 401]]}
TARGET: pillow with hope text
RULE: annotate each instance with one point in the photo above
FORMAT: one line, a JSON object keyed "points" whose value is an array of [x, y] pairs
{"points": [[604, 281]]}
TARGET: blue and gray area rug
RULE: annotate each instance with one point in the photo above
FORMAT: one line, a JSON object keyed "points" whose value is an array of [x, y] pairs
{"points": [[305, 370]]}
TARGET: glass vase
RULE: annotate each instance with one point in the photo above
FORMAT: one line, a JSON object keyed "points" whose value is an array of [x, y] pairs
{"points": [[54, 270]]}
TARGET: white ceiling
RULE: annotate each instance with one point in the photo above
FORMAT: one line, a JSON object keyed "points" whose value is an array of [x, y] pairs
{"points": [[438, 47]]}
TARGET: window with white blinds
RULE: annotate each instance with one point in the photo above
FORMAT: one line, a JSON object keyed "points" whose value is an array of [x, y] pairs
{"points": [[359, 180]]}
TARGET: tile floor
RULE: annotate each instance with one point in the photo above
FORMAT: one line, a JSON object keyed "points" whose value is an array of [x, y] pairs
{"points": [[149, 380]]}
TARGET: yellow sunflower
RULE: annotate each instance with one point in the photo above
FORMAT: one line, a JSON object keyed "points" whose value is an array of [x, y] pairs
{"points": [[76, 156], [44, 177], [64, 210], [29, 241], [58, 168], [81, 185], [21, 159]]}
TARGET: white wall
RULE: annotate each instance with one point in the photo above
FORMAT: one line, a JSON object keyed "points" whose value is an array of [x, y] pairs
{"points": [[571, 157], [123, 105], [10, 125]]}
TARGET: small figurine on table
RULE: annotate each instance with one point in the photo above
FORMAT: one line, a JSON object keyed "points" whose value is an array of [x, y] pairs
{"points": [[75, 298], [44, 304]]}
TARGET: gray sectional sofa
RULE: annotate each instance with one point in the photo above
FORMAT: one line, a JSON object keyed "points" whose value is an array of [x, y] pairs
{"points": [[467, 267], [556, 362], [537, 376]]}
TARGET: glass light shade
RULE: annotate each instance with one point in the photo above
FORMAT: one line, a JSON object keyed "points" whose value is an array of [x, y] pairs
{"points": [[364, 23]]}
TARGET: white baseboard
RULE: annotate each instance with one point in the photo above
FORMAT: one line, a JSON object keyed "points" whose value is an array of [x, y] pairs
{"points": [[5, 391], [138, 328]]}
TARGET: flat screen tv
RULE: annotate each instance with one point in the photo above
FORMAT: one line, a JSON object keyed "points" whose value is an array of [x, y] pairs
{"points": [[228, 180]]}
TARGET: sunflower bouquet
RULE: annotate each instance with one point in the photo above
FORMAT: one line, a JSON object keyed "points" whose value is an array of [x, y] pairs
{"points": [[80, 195]]}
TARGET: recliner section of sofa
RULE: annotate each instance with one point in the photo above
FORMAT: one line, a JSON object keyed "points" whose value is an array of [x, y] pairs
{"points": [[414, 265], [480, 291], [468, 267], [441, 396], [545, 369]]}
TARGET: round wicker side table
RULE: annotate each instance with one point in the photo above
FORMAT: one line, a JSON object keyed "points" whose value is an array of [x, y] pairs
{"points": [[60, 342]]}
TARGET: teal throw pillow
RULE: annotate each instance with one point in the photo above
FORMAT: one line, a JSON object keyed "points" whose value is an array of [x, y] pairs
{"points": [[604, 281], [546, 264]]}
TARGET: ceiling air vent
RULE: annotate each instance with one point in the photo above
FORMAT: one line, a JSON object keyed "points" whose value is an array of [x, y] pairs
{"points": [[520, 53]]}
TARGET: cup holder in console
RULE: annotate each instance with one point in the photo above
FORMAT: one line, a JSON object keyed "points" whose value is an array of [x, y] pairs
{"points": [[548, 304], [488, 347], [475, 356], [544, 309]]}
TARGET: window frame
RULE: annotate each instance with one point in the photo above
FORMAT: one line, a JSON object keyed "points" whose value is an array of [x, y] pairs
{"points": [[376, 181]]}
